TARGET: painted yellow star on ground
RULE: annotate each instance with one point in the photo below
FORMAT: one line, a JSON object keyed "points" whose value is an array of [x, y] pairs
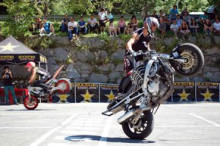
{"points": [[184, 95], [207, 95], [110, 96], [8, 47], [63, 97], [87, 96]]}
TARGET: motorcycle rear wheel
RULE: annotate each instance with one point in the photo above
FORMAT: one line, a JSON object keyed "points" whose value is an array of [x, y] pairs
{"points": [[147, 125], [194, 57], [31, 103]]}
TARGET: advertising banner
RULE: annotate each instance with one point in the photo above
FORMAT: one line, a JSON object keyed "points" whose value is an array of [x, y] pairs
{"points": [[107, 92]]}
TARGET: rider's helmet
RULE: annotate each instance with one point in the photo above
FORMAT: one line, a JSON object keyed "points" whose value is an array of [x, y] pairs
{"points": [[30, 65], [151, 23]]}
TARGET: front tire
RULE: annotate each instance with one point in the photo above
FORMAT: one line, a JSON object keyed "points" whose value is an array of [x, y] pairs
{"points": [[194, 57], [30, 103], [147, 125]]}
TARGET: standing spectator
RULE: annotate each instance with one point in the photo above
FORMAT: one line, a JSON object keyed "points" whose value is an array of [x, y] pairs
{"points": [[92, 24], [7, 77], [208, 28], [64, 24], [47, 28], [132, 25], [161, 14], [110, 17], [155, 14], [82, 26], [121, 25], [213, 16], [72, 29], [184, 29], [174, 28], [173, 13], [193, 26], [205, 16], [216, 27], [102, 20], [201, 23], [186, 18], [179, 20], [162, 27], [185, 12], [112, 29]]}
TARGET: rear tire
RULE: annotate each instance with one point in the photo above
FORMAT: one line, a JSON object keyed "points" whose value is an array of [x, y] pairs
{"points": [[30, 103], [147, 122], [65, 86]]}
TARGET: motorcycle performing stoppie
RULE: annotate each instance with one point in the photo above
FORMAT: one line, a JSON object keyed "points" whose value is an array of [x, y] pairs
{"points": [[149, 84], [46, 91]]}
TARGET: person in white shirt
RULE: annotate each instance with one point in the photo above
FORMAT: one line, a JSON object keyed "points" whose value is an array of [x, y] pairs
{"points": [[174, 28], [92, 24], [102, 19], [216, 27], [72, 29]]}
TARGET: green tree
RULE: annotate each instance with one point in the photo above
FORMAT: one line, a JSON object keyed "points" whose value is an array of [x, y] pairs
{"points": [[20, 16]]}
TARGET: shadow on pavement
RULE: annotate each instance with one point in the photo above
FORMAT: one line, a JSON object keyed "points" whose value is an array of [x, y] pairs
{"points": [[81, 138]]}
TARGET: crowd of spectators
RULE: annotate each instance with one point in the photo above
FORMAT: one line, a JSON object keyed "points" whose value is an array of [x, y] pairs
{"points": [[180, 24]]}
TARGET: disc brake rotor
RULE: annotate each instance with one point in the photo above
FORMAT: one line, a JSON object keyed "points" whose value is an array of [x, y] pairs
{"points": [[190, 60]]}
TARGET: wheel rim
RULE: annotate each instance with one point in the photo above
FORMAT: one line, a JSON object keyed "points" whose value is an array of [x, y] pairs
{"points": [[140, 126], [31, 102], [190, 60]]}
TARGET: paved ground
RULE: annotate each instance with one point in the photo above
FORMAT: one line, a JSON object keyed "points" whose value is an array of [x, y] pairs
{"points": [[83, 125]]}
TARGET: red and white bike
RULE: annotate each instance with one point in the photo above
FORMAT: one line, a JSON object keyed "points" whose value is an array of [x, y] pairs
{"points": [[51, 86]]}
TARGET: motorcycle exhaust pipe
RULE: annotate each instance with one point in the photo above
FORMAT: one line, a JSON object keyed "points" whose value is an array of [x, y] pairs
{"points": [[126, 116]]}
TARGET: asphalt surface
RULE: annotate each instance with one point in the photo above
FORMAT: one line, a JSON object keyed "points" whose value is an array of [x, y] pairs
{"points": [[83, 125]]}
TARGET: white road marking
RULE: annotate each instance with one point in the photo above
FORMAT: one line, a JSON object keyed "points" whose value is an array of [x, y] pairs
{"points": [[25, 127], [46, 135], [75, 132], [63, 144], [204, 119], [103, 139]]}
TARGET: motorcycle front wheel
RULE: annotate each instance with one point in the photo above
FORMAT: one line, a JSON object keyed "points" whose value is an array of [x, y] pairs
{"points": [[143, 128], [194, 60], [30, 103]]}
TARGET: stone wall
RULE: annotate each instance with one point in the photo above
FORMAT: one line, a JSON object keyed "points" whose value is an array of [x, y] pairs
{"points": [[99, 60]]}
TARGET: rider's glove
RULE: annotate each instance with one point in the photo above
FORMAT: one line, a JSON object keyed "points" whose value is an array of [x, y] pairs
{"points": [[133, 53]]}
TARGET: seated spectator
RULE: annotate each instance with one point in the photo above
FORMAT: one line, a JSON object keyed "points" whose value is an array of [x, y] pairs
{"points": [[132, 25], [208, 28], [216, 27], [184, 29], [64, 24], [37, 25], [193, 26], [72, 29], [110, 17], [185, 12], [102, 20], [163, 25], [186, 18], [82, 26], [47, 28], [179, 20], [112, 29], [173, 12], [174, 28], [92, 24], [121, 25]]}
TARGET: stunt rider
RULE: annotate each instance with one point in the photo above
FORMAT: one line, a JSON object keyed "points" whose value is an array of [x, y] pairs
{"points": [[37, 72], [140, 41]]}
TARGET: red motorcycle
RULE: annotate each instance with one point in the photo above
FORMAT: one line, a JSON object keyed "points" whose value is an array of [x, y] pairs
{"points": [[50, 86]]}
